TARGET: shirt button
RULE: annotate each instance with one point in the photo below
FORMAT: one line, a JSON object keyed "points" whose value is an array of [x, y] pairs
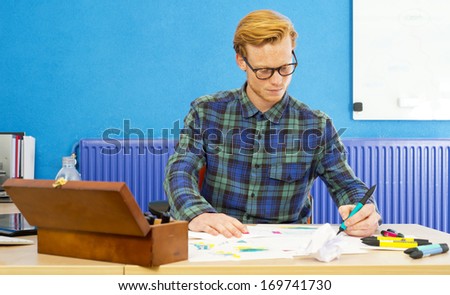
{"points": [[257, 166], [252, 195]]}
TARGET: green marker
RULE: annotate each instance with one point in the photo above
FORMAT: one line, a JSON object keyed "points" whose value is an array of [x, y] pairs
{"points": [[357, 208]]}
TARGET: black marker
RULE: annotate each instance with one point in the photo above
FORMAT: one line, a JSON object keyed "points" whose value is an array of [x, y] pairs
{"points": [[165, 217], [357, 208], [150, 218]]}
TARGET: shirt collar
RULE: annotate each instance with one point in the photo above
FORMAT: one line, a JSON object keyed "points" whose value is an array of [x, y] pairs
{"points": [[274, 114]]}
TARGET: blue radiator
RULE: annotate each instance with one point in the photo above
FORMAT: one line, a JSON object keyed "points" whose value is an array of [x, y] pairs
{"points": [[412, 176], [139, 163]]}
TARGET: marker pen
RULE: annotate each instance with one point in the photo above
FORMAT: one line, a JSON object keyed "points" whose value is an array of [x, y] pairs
{"points": [[393, 244], [150, 218], [391, 233], [386, 233], [357, 208], [395, 232], [378, 238], [165, 218], [422, 247], [439, 249]]}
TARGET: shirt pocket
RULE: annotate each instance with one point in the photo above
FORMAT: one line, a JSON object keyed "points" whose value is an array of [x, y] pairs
{"points": [[289, 172]]}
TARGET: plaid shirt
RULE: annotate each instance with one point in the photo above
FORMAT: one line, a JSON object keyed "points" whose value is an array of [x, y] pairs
{"points": [[259, 166]]}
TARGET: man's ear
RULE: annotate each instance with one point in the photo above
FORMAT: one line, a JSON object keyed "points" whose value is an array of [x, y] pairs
{"points": [[240, 62]]}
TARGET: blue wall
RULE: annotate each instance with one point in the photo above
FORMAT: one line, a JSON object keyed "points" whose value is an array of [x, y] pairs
{"points": [[73, 69]]}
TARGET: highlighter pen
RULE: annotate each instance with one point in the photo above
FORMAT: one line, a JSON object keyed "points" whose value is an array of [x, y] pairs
{"points": [[386, 233], [394, 232], [420, 248], [165, 217], [387, 242], [391, 233], [357, 208], [439, 249], [395, 244], [150, 218], [393, 239]]}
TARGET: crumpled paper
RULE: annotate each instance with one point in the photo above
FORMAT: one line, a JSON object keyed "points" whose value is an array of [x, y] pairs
{"points": [[325, 246]]}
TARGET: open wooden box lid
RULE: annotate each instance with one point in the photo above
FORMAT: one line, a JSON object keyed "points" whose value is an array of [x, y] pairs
{"points": [[89, 206]]}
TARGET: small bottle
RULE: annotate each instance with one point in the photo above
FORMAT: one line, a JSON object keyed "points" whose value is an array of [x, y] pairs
{"points": [[68, 170]]}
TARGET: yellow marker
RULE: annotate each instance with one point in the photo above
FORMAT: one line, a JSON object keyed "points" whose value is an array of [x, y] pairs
{"points": [[399, 239], [391, 244]]}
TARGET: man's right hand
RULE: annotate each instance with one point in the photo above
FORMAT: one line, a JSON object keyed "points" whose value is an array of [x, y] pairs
{"points": [[218, 223]]}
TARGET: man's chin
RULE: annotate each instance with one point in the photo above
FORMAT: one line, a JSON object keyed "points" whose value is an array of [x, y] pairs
{"points": [[275, 97]]}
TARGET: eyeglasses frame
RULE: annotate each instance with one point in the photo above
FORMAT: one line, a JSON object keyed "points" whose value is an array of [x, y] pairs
{"points": [[295, 64]]}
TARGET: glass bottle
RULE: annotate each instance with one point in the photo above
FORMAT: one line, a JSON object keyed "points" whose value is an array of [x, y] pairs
{"points": [[68, 170]]}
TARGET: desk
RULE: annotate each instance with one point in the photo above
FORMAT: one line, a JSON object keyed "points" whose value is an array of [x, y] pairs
{"points": [[26, 260]]}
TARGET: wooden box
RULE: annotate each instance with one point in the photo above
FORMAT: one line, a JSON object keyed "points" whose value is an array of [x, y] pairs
{"points": [[96, 220]]}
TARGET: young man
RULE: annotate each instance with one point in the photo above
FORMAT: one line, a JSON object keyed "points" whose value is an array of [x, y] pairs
{"points": [[262, 148]]}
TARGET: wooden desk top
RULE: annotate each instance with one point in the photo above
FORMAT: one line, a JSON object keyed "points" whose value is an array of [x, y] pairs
{"points": [[26, 260]]}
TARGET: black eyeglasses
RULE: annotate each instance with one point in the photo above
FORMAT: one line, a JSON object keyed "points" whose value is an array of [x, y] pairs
{"points": [[266, 73]]}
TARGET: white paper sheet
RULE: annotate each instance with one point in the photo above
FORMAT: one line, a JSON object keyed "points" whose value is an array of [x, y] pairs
{"points": [[262, 242]]}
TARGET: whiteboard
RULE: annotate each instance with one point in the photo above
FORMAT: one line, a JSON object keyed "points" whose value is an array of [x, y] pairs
{"points": [[401, 59]]}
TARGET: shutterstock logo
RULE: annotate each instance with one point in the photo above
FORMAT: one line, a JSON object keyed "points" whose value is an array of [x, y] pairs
{"points": [[212, 141]]}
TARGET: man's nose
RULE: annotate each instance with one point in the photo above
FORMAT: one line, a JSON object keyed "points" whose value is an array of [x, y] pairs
{"points": [[276, 78]]}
